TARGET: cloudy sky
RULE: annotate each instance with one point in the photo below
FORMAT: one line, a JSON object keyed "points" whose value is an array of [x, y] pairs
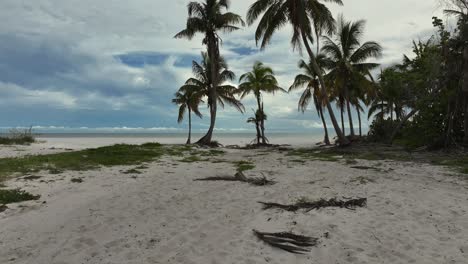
{"points": [[114, 63]]}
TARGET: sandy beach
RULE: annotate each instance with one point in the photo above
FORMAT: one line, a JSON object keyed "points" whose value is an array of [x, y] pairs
{"points": [[416, 213]]}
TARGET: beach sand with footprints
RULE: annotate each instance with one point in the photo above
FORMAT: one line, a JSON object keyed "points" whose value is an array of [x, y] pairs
{"points": [[158, 213]]}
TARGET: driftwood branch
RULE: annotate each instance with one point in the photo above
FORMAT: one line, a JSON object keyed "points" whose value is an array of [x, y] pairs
{"points": [[350, 204], [290, 242], [239, 176]]}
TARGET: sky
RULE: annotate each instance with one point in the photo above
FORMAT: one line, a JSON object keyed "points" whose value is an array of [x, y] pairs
{"points": [[86, 64]]}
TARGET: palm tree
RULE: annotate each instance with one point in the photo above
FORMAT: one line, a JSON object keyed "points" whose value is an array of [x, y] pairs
{"points": [[202, 82], [348, 56], [208, 18], [257, 119], [309, 80], [188, 99], [260, 79], [302, 15], [392, 96]]}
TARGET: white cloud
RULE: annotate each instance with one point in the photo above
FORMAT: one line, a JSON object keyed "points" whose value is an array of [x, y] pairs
{"points": [[61, 54]]}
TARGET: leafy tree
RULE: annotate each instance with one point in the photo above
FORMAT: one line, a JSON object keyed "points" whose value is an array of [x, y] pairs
{"points": [[302, 15], [260, 80], [208, 18]]}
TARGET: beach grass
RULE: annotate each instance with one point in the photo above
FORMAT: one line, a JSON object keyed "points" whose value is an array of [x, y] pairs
{"points": [[18, 137], [16, 196], [244, 165], [121, 154]]}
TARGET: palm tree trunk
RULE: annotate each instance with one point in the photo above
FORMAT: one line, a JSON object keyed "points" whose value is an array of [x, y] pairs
{"points": [[391, 112], [189, 126], [465, 139], [326, 140], [259, 135], [213, 52], [448, 132], [465, 92], [360, 122], [262, 120], [348, 106], [400, 125], [342, 120], [341, 138]]}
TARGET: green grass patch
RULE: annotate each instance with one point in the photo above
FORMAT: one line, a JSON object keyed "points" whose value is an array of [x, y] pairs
{"points": [[313, 154], [244, 165], [16, 196], [351, 154], [116, 155], [459, 163], [191, 159]]}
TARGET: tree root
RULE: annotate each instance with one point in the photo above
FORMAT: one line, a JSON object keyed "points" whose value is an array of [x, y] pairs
{"points": [[350, 204], [290, 242], [239, 176]]}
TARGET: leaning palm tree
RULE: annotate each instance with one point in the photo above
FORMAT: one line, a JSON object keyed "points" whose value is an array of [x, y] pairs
{"points": [[208, 18], [312, 91], [302, 15], [349, 61], [260, 79], [226, 94], [188, 99]]}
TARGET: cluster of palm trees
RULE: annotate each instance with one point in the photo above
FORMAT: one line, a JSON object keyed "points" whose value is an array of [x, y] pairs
{"points": [[337, 72]]}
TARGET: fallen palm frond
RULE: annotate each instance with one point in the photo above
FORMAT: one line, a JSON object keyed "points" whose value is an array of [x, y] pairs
{"points": [[350, 204], [366, 168], [290, 242], [240, 176]]}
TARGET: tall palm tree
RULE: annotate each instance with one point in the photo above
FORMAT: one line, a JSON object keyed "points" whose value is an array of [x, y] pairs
{"points": [[208, 18], [226, 94], [260, 79], [349, 59], [302, 15], [309, 80], [188, 99]]}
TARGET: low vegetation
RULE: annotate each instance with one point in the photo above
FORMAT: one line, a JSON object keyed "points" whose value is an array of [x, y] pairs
{"points": [[244, 165], [16, 196], [88, 159], [18, 137]]}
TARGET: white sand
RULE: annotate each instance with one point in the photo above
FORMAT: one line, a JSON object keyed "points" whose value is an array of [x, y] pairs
{"points": [[416, 214]]}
